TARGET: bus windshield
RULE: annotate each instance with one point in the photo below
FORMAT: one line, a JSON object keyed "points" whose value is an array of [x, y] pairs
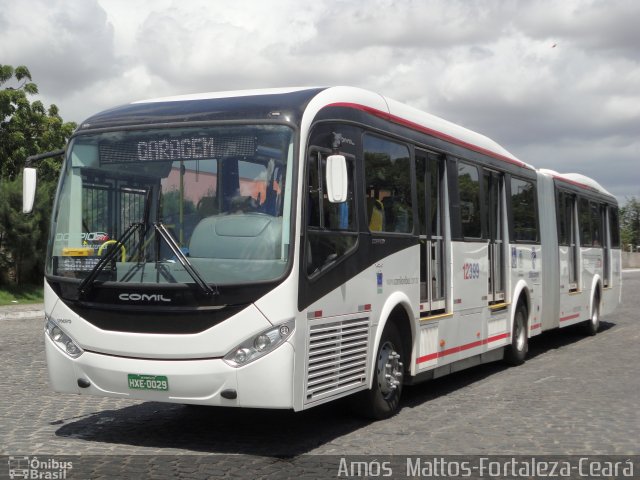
{"points": [[221, 193]]}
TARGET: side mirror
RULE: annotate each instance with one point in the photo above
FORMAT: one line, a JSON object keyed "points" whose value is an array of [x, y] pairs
{"points": [[28, 189], [337, 180]]}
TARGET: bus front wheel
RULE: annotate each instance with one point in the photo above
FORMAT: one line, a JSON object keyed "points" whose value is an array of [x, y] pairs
{"points": [[383, 399]]}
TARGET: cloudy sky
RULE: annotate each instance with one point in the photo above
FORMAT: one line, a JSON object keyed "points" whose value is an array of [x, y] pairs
{"points": [[556, 82]]}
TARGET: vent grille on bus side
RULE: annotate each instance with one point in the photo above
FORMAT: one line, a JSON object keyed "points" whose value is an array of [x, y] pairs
{"points": [[337, 357]]}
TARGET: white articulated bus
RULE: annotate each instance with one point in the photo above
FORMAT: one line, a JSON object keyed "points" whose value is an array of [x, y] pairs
{"points": [[283, 248]]}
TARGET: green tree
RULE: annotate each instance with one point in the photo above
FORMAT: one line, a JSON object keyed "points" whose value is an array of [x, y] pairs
{"points": [[26, 128], [630, 223], [23, 238]]}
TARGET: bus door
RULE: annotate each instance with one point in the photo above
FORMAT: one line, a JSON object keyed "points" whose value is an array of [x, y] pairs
{"points": [[430, 175], [494, 193], [572, 215], [109, 205], [606, 250]]}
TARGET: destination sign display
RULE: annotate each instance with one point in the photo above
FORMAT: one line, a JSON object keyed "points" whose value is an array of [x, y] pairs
{"points": [[171, 149]]}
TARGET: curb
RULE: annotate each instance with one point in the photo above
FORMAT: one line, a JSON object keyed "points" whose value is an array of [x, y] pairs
{"points": [[36, 311]]}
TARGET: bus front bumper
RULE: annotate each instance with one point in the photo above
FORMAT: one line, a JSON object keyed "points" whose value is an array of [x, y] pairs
{"points": [[264, 383]]}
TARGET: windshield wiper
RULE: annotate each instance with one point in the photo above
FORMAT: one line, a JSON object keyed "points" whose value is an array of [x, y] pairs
{"points": [[182, 258], [87, 284]]}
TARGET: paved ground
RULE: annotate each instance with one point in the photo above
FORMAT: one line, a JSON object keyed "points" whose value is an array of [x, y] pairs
{"points": [[575, 395]]}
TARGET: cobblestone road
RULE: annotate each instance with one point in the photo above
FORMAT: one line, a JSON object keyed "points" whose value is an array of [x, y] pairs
{"points": [[574, 395]]}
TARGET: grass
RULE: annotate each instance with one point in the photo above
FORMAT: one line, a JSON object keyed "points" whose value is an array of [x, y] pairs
{"points": [[21, 295]]}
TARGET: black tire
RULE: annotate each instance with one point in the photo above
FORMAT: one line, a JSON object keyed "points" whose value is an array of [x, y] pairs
{"points": [[591, 326], [516, 353], [383, 399], [198, 408]]}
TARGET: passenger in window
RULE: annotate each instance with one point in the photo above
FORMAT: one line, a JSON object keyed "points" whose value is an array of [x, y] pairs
{"points": [[343, 215], [375, 210], [397, 214]]}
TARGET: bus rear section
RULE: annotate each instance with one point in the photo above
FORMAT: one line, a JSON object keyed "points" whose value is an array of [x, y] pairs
{"points": [[584, 278]]}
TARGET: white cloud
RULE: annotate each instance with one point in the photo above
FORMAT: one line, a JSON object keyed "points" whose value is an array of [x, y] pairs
{"points": [[547, 79], [66, 44], [605, 25]]}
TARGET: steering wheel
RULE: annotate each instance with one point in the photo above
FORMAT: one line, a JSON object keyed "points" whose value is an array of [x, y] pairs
{"points": [[109, 242]]}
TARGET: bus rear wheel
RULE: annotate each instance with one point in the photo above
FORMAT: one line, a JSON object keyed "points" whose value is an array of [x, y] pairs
{"points": [[516, 353], [383, 399], [591, 326]]}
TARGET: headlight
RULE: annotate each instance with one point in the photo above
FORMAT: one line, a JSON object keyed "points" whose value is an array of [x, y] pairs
{"points": [[61, 339], [260, 345]]}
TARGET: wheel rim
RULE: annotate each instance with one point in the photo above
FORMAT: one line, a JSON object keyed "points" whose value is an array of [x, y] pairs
{"points": [[595, 316], [520, 333], [389, 369]]}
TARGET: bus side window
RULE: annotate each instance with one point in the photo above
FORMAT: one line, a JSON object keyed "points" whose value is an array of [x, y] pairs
{"points": [[584, 218], [523, 207], [331, 227], [596, 224], [387, 170], [562, 219], [615, 226], [469, 188]]}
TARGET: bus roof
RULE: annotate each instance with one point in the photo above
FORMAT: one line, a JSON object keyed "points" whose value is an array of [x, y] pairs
{"points": [[578, 180], [298, 102], [227, 94], [449, 131]]}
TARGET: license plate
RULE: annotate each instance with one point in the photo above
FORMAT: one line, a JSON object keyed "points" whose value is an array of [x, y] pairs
{"points": [[148, 382]]}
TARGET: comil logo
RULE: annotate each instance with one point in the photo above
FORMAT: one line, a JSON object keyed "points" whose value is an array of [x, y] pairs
{"points": [[143, 297]]}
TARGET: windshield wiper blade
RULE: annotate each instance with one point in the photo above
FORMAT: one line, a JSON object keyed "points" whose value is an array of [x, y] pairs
{"points": [[87, 284], [184, 261]]}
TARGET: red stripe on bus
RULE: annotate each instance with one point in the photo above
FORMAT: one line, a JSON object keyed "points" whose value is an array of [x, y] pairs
{"points": [[573, 182], [426, 358], [461, 348], [428, 131], [496, 337], [536, 325], [570, 317]]}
